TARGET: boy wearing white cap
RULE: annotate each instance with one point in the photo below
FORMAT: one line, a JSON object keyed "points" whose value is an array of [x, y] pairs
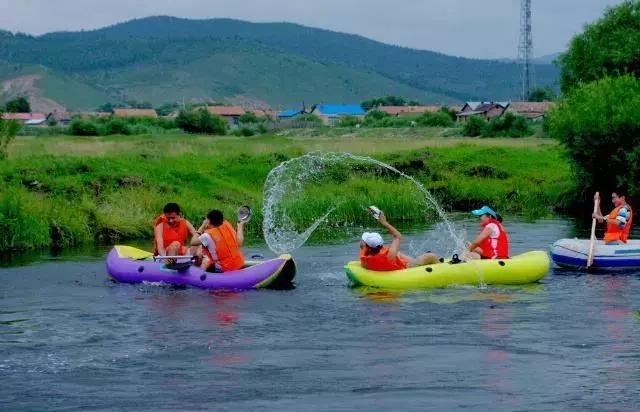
{"points": [[375, 256]]}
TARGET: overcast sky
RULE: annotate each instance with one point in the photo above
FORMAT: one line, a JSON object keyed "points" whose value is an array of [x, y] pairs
{"points": [[473, 28]]}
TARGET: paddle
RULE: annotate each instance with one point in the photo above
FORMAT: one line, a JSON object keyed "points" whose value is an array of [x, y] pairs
{"points": [[592, 241]]}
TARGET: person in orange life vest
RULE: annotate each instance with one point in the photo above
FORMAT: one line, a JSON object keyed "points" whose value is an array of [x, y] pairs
{"points": [[171, 231], [375, 256], [493, 240], [618, 221], [221, 243]]}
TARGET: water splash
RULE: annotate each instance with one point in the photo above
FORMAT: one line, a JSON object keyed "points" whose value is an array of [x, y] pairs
{"points": [[289, 179]]}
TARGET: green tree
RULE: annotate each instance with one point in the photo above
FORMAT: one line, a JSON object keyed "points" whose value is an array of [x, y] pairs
{"points": [[608, 47], [507, 125], [201, 121], [374, 116], [307, 120], [600, 127], [248, 118], [348, 121], [8, 131], [384, 101], [437, 119], [80, 127], [166, 109], [19, 104], [542, 94], [474, 126], [117, 126]]}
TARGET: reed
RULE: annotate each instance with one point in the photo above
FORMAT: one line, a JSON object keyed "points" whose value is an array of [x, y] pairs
{"points": [[65, 191]]}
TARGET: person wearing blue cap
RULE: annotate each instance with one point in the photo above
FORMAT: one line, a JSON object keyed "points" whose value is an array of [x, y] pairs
{"points": [[493, 240]]}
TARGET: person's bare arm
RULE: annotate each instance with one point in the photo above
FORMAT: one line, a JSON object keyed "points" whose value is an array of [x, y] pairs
{"points": [[481, 237], [157, 233], [240, 233], [394, 248], [598, 215], [192, 230], [203, 226]]}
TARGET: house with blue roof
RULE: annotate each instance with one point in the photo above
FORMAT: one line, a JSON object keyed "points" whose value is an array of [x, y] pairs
{"points": [[331, 113]]}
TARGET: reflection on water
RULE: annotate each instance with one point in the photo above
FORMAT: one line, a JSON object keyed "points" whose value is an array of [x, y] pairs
{"points": [[70, 339]]}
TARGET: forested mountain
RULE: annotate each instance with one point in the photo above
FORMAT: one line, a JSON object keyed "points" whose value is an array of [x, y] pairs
{"points": [[162, 59]]}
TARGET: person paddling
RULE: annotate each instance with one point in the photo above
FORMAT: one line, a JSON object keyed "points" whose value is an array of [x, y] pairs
{"points": [[171, 231], [221, 243], [618, 221], [493, 240], [375, 256]]}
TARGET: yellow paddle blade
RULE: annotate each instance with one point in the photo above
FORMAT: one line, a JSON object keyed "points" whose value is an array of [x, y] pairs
{"points": [[132, 253]]}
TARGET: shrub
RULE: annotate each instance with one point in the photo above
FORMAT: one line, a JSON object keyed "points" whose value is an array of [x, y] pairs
{"points": [[449, 112], [307, 120], [600, 127], [262, 129], [117, 126], [437, 119], [248, 117], [348, 121], [243, 131], [473, 126], [374, 116], [201, 121], [507, 125], [80, 127], [8, 131]]}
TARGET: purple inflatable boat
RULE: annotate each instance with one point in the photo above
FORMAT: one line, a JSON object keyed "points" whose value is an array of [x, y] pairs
{"points": [[126, 264]]}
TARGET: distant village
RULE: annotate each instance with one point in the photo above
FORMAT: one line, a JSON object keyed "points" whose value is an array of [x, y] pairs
{"points": [[329, 114]]}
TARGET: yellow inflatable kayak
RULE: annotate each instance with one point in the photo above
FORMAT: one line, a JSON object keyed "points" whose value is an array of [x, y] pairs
{"points": [[526, 268]]}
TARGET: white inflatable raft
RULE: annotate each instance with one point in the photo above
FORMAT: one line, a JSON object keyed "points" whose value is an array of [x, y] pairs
{"points": [[574, 253]]}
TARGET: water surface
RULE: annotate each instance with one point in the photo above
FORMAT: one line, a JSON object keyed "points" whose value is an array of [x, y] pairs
{"points": [[72, 340]]}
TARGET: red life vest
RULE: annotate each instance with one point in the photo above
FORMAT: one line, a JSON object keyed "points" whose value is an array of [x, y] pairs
{"points": [[497, 248], [614, 232], [380, 261], [178, 233], [226, 248]]}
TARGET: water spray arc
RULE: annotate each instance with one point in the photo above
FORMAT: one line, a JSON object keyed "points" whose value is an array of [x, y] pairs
{"points": [[289, 179]]}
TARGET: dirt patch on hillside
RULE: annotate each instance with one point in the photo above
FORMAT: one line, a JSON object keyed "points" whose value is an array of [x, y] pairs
{"points": [[28, 86]]}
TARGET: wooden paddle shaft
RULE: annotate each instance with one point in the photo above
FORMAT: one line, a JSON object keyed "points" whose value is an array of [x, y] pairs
{"points": [[592, 243]]}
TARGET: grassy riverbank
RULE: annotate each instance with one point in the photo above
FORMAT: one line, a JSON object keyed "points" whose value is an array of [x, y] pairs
{"points": [[62, 191]]}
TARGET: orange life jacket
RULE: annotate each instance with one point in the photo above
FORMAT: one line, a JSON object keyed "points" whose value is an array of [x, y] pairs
{"points": [[495, 248], [228, 254], [381, 261], [614, 233], [178, 233]]}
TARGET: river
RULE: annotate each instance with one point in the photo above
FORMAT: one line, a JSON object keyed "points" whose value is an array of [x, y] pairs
{"points": [[72, 340]]}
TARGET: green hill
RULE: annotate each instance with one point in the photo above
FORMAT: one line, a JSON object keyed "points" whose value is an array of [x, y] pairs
{"points": [[162, 59]]}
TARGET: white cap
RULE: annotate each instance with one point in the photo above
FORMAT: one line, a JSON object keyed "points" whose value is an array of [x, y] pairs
{"points": [[372, 239]]}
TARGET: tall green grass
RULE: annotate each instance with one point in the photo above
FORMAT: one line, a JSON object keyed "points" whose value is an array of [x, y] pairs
{"points": [[76, 196]]}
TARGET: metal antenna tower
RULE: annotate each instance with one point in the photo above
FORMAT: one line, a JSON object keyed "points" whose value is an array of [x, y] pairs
{"points": [[525, 49]]}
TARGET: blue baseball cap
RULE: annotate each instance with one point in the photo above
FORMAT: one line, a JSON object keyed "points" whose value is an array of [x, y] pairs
{"points": [[485, 210]]}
